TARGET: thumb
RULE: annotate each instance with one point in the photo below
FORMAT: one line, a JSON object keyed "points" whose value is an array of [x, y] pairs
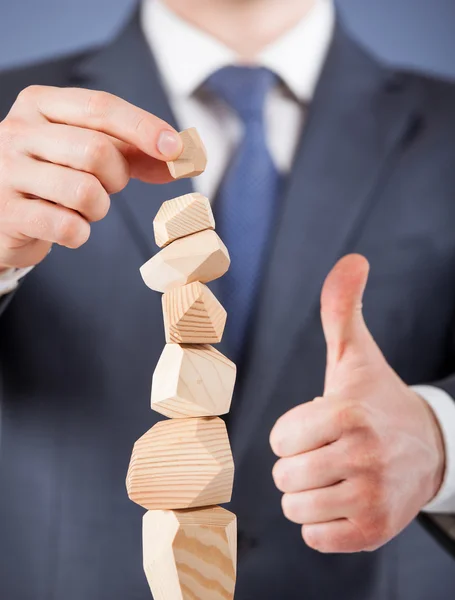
{"points": [[341, 307]]}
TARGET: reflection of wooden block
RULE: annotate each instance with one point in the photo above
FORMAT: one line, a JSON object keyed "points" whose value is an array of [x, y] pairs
{"points": [[193, 315], [182, 216], [192, 381], [191, 554], [198, 257], [182, 463], [193, 159]]}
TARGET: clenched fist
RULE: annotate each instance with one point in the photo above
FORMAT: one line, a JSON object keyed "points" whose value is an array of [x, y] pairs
{"points": [[62, 152], [359, 463]]}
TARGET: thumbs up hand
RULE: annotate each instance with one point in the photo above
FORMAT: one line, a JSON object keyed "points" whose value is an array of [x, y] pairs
{"points": [[359, 463]]}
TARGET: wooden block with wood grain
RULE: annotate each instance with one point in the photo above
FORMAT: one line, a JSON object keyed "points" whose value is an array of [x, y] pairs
{"points": [[192, 380], [190, 554], [193, 315], [200, 257], [182, 467], [182, 463], [182, 216], [193, 158]]}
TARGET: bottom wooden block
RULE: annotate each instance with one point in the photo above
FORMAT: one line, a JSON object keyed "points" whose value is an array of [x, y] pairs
{"points": [[190, 554]]}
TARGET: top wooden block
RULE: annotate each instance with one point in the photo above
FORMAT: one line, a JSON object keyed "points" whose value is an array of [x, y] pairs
{"points": [[182, 216], [193, 159]]}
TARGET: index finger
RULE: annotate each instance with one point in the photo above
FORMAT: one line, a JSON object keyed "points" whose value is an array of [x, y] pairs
{"points": [[106, 113], [304, 428]]}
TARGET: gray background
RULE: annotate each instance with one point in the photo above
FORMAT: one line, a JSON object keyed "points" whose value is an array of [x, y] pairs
{"points": [[417, 33]]}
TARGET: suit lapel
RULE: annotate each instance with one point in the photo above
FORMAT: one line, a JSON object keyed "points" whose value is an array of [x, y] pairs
{"points": [[358, 118], [125, 67]]}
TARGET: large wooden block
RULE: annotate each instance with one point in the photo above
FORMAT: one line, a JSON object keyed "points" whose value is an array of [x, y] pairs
{"points": [[192, 381], [191, 554], [182, 216], [182, 463], [193, 159], [193, 315], [198, 257]]}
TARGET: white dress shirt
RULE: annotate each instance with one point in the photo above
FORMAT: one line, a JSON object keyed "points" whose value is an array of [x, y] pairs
{"points": [[297, 58]]}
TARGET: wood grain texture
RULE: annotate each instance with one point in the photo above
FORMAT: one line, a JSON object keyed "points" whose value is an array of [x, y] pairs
{"points": [[193, 315], [198, 257], [182, 463], [192, 381], [193, 159], [182, 216], [190, 555]]}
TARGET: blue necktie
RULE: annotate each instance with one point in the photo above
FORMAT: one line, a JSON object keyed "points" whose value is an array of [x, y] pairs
{"points": [[247, 198]]}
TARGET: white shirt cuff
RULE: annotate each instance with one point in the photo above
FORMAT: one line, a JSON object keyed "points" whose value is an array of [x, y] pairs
{"points": [[9, 280], [443, 406]]}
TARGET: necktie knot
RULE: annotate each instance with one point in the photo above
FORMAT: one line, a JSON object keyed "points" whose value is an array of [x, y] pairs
{"points": [[244, 89]]}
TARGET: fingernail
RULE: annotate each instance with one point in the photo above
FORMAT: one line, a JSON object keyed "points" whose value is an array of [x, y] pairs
{"points": [[169, 144]]}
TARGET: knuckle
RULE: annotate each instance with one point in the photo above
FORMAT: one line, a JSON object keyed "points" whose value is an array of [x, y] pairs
{"points": [[372, 462], [375, 530], [6, 165], [281, 476], [276, 437], [91, 198], [276, 444], [371, 497], [72, 231], [352, 417], [288, 507], [313, 539], [122, 177], [10, 130], [10, 127], [99, 104], [101, 207], [29, 94], [97, 152], [86, 192], [365, 456], [373, 515]]}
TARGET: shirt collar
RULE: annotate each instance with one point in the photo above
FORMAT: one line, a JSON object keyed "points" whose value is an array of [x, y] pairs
{"points": [[187, 56]]}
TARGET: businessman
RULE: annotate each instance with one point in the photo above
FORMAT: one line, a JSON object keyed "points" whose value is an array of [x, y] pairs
{"points": [[324, 164]]}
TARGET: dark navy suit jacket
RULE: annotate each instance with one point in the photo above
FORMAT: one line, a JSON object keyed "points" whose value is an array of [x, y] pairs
{"points": [[375, 174]]}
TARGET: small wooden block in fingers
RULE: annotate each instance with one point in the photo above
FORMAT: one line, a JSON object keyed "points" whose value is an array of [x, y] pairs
{"points": [[193, 159], [182, 463], [192, 381], [182, 216], [193, 315], [190, 554], [198, 257]]}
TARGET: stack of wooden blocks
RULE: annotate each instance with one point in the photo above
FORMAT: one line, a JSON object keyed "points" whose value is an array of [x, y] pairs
{"points": [[182, 467]]}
